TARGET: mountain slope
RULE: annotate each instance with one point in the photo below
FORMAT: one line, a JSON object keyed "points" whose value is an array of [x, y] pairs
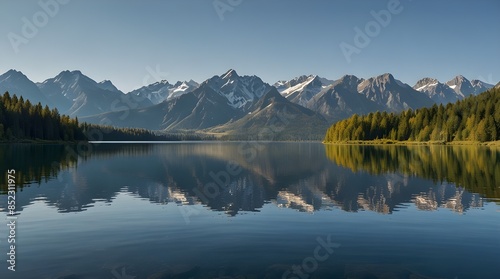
{"points": [[463, 86], [302, 89], [341, 100], [274, 117], [75, 94], [195, 110], [160, 91], [16, 82], [240, 91], [439, 92], [393, 94], [223, 102], [479, 86], [108, 85], [210, 110]]}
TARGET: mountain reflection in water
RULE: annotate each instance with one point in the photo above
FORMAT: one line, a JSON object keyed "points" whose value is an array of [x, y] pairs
{"points": [[292, 175]]}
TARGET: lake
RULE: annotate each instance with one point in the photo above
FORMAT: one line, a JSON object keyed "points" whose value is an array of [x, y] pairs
{"points": [[252, 210]]}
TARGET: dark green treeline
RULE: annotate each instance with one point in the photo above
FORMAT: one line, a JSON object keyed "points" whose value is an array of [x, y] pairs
{"points": [[476, 118], [22, 120]]}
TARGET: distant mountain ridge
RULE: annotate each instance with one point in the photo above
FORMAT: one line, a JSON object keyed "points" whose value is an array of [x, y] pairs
{"points": [[274, 117], [17, 83], [396, 96], [228, 102], [239, 91], [75, 94], [439, 92], [341, 100], [199, 109], [224, 105], [453, 90], [463, 86], [160, 91], [302, 89], [350, 95]]}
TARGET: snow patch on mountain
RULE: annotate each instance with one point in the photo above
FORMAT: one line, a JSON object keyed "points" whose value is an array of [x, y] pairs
{"points": [[163, 91], [427, 85], [302, 89], [239, 91]]}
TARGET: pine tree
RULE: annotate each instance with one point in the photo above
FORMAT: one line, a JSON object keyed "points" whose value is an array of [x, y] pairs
{"points": [[474, 118]]}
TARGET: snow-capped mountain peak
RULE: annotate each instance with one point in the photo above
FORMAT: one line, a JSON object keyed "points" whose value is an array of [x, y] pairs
{"points": [[463, 86], [459, 82], [108, 85], [230, 74], [439, 92], [162, 90], [302, 88], [425, 83], [301, 83], [286, 84], [240, 91]]}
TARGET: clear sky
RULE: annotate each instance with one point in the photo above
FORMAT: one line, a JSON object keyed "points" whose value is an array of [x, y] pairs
{"points": [[124, 41]]}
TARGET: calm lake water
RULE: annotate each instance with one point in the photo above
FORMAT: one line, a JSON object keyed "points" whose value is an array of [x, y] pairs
{"points": [[252, 210]]}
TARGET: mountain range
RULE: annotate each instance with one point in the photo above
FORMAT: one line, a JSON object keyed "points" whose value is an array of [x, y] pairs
{"points": [[302, 89], [451, 91], [160, 91], [236, 106]]}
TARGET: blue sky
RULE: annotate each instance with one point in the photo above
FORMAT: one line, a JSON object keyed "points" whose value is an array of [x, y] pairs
{"points": [[124, 41]]}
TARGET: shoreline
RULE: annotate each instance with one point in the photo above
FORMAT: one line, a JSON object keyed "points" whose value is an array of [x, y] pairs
{"points": [[418, 143], [155, 142], [350, 142], [28, 141]]}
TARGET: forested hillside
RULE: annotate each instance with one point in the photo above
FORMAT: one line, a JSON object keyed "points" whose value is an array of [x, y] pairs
{"points": [[476, 118], [22, 120]]}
